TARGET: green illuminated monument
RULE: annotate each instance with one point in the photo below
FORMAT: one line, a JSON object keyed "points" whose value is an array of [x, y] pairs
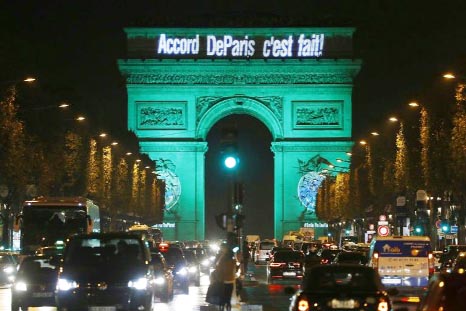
{"points": [[297, 81]]}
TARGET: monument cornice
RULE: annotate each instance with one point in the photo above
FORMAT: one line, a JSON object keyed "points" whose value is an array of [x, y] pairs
{"points": [[239, 78]]}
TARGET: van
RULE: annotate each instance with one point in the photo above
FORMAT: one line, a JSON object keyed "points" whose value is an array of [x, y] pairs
{"points": [[404, 261], [263, 250]]}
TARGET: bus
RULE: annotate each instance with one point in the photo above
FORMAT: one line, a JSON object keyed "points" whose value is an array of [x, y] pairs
{"points": [[403, 261], [152, 235], [47, 221]]}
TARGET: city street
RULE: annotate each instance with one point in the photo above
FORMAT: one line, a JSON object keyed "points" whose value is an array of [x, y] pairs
{"points": [[255, 292]]}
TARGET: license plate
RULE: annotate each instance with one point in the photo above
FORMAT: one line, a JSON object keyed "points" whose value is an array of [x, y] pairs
{"points": [[289, 273], [42, 295], [102, 308], [342, 304]]}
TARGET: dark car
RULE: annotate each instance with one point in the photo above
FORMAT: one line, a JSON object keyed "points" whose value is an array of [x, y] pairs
{"points": [[328, 255], [350, 258], [8, 265], [177, 262], [449, 256], [344, 287], [203, 257], [35, 283], [194, 266], [106, 271], [279, 248], [163, 278], [50, 251], [446, 291], [285, 265]]}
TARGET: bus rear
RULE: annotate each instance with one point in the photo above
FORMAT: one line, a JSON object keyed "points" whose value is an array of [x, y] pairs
{"points": [[402, 261], [46, 221]]}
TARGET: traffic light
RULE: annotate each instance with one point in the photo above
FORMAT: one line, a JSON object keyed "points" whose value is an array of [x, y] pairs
{"points": [[221, 220], [445, 226], [419, 229], [229, 147]]}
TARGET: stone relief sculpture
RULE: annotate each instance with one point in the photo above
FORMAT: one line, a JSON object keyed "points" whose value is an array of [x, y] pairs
{"points": [[309, 116], [165, 169], [310, 181], [161, 115]]}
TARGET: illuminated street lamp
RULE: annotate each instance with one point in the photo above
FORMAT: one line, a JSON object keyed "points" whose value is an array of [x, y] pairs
{"points": [[80, 118], [393, 119]]}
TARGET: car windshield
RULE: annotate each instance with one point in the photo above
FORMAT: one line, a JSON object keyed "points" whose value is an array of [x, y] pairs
{"points": [[266, 245], [286, 256], [6, 259], [340, 278], [90, 251]]}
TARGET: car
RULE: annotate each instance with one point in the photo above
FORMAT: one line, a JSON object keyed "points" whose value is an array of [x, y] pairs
{"points": [[35, 283], [263, 250], [285, 265], [350, 258], [327, 255], [163, 277], [446, 291], [449, 255], [348, 287], [177, 262], [204, 259], [106, 271], [194, 266], [279, 248], [459, 264], [8, 265], [50, 251]]}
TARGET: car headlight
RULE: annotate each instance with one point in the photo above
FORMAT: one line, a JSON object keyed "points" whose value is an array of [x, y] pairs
{"points": [[139, 284], [192, 269], [182, 271], [66, 285], [159, 281], [206, 262], [21, 286], [9, 269]]}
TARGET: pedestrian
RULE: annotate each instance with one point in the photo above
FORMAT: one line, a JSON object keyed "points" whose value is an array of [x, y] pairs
{"points": [[226, 273]]}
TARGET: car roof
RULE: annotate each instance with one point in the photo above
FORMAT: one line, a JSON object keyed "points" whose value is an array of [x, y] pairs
{"points": [[109, 235]]}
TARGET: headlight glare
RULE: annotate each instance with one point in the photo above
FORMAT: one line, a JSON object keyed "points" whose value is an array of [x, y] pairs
{"points": [[192, 269], [139, 284], [182, 271], [9, 270], [159, 281], [65, 285], [21, 286]]}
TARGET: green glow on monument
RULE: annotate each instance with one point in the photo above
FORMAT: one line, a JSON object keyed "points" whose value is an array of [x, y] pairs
{"points": [[301, 92]]}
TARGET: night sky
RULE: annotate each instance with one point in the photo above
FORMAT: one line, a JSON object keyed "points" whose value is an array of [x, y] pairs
{"points": [[72, 48]]}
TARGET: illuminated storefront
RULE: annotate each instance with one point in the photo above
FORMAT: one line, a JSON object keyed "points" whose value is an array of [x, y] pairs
{"points": [[296, 81]]}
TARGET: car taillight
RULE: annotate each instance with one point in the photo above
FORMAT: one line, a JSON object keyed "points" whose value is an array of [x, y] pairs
{"points": [[431, 264], [324, 261], [303, 305], [383, 305], [275, 264]]}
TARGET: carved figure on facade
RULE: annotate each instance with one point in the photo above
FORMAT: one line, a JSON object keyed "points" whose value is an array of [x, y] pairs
{"points": [[308, 185], [165, 170], [161, 117], [307, 116]]}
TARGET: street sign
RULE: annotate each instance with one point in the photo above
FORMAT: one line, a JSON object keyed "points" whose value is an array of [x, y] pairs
{"points": [[383, 231], [454, 229]]}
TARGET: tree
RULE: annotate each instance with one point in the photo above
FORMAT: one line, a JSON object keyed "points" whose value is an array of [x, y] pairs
{"points": [[14, 167]]}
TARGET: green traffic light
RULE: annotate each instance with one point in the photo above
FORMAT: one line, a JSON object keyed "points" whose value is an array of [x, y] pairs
{"points": [[230, 162], [418, 229]]}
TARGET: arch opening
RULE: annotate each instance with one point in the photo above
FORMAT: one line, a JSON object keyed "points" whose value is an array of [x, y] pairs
{"points": [[255, 172]]}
